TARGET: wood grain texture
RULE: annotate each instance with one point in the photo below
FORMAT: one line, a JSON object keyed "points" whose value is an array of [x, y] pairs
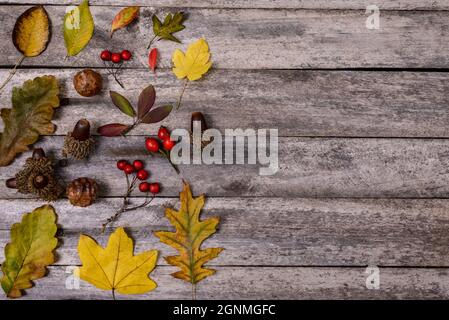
{"points": [[298, 103], [308, 167], [273, 4], [266, 283], [261, 39], [273, 232]]}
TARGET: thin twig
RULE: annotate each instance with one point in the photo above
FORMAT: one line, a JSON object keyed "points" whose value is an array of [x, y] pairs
{"points": [[12, 72], [151, 42]]}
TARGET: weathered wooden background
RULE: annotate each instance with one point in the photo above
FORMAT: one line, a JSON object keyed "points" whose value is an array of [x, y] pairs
{"points": [[364, 151]]}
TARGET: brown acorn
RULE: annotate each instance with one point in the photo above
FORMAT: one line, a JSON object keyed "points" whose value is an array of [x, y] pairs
{"points": [[82, 192], [88, 83], [198, 116], [37, 177], [79, 142]]}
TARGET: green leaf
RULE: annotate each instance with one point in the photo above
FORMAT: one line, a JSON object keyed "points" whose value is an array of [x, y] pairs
{"points": [[30, 250], [122, 103], [157, 114], [172, 24], [78, 28], [31, 114]]}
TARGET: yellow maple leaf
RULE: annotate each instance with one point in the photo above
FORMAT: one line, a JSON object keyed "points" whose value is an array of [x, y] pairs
{"points": [[116, 267], [194, 63], [188, 237]]}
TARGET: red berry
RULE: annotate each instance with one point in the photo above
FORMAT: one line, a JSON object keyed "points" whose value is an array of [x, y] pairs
{"points": [[152, 145], [155, 188], [121, 164], [129, 169], [126, 55], [138, 165], [163, 133], [142, 174], [105, 55], [116, 58], [144, 186], [168, 144]]}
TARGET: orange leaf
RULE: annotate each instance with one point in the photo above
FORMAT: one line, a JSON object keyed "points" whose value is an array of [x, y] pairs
{"points": [[124, 17]]}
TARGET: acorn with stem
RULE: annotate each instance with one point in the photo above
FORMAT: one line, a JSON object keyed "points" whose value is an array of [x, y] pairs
{"points": [[78, 143]]}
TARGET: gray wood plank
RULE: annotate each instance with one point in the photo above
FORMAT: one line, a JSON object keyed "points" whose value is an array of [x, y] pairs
{"points": [[268, 39], [308, 167], [252, 283], [267, 232], [298, 103], [274, 4]]}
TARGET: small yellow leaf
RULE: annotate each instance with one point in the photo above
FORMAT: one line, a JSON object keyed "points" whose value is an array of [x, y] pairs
{"points": [[116, 267], [30, 250], [194, 63], [188, 237], [32, 32]]}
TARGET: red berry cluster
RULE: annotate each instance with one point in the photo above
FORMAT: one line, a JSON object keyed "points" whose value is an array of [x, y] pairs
{"points": [[113, 62], [153, 145], [137, 168]]}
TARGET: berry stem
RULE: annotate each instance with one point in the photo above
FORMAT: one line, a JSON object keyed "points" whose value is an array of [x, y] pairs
{"points": [[167, 156]]}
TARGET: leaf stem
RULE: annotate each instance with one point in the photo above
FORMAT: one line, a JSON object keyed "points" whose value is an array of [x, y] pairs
{"points": [[12, 72], [152, 41], [178, 104], [193, 291], [113, 294]]}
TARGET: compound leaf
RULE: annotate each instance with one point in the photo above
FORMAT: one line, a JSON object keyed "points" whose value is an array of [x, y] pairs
{"points": [[30, 250]]}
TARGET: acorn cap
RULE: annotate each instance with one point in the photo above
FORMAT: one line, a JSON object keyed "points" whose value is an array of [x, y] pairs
{"points": [[81, 131]]}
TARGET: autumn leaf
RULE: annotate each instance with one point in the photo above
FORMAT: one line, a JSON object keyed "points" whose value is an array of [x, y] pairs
{"points": [[152, 59], [124, 18], [113, 129], [188, 237], [122, 103], [115, 267], [194, 63], [30, 250], [31, 32], [31, 114], [146, 101], [157, 115], [172, 24], [191, 65], [78, 28], [30, 36]]}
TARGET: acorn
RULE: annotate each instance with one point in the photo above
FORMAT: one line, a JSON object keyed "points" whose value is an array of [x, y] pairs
{"points": [[82, 192], [198, 116], [88, 83], [37, 177], [79, 142]]}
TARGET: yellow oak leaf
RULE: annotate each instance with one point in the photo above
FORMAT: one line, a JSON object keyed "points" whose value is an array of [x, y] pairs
{"points": [[188, 237], [116, 267], [194, 63], [30, 250]]}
